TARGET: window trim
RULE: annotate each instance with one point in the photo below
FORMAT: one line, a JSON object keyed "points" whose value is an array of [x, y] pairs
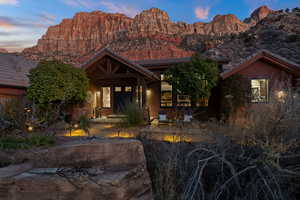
{"points": [[269, 89]]}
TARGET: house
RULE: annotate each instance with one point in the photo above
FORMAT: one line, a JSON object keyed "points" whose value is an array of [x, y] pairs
{"points": [[116, 81], [267, 72], [13, 75]]}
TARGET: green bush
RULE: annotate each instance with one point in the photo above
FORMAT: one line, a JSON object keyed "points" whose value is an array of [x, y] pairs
{"points": [[293, 38], [12, 115], [56, 82], [84, 123], [11, 142], [196, 78], [134, 115]]}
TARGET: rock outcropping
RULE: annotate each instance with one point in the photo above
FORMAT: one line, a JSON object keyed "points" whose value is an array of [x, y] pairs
{"points": [[149, 35], [278, 33], [100, 169], [3, 50], [258, 14]]}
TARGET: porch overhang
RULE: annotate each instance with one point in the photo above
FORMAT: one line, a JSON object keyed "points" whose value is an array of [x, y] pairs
{"points": [[109, 72]]}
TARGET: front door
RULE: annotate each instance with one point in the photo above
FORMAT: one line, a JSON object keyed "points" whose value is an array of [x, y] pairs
{"points": [[122, 97]]}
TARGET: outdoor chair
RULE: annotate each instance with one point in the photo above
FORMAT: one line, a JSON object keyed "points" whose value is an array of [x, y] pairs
{"points": [[162, 118]]}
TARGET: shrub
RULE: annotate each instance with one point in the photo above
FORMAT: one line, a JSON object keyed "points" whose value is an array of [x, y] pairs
{"points": [[57, 82], [293, 38], [12, 142], [12, 115], [134, 115], [196, 78], [235, 93], [257, 161], [84, 123]]}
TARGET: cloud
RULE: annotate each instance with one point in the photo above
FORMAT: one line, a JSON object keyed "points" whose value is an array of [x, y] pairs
{"points": [[13, 46], [109, 6], [81, 3], [10, 23], [202, 13], [9, 2], [47, 18], [257, 3], [120, 8], [30, 29]]}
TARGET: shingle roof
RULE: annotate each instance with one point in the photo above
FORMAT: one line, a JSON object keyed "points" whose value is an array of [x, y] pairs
{"points": [[232, 68], [14, 69]]}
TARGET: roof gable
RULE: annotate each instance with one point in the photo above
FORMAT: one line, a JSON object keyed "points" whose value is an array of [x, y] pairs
{"points": [[105, 52], [267, 56]]}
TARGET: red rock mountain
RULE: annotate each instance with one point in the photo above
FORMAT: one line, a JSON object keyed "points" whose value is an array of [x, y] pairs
{"points": [[149, 35], [3, 50], [258, 14]]}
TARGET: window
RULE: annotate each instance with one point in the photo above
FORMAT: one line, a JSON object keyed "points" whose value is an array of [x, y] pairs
{"points": [[106, 97], [118, 89], [128, 89], [184, 100], [259, 90], [165, 93], [202, 102], [97, 98]]}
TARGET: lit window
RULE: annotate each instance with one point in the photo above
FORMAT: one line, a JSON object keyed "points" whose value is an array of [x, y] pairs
{"points": [[118, 89], [184, 100], [166, 93], [128, 89], [260, 90], [97, 100], [202, 102], [106, 97]]}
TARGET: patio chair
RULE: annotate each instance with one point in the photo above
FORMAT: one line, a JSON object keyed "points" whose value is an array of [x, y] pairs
{"points": [[162, 118], [188, 116]]}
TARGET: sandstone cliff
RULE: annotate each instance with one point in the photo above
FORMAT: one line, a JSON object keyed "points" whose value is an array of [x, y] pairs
{"points": [[3, 50], [149, 35], [258, 14]]}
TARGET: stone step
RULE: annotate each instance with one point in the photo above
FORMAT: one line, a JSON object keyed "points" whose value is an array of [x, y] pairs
{"points": [[117, 116]]}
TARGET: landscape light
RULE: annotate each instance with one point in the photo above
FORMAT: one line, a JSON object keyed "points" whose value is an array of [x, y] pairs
{"points": [[30, 128]]}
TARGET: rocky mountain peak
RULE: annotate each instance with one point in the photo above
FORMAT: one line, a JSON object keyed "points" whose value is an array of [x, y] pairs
{"points": [[2, 50], [149, 35], [151, 16], [258, 14]]}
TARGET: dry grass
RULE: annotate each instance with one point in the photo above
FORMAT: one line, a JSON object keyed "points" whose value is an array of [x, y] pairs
{"points": [[259, 159]]}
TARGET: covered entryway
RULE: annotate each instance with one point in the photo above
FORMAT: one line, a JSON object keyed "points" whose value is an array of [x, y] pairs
{"points": [[116, 82], [123, 96]]}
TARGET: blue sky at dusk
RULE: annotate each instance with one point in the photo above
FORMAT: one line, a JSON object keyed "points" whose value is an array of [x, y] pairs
{"points": [[22, 22]]}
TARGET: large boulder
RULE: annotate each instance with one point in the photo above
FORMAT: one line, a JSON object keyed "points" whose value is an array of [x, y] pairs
{"points": [[98, 169]]}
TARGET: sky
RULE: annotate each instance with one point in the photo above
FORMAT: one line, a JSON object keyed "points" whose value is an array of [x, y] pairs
{"points": [[23, 22]]}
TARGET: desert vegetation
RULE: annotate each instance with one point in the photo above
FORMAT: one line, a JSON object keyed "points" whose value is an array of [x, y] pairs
{"points": [[254, 158]]}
